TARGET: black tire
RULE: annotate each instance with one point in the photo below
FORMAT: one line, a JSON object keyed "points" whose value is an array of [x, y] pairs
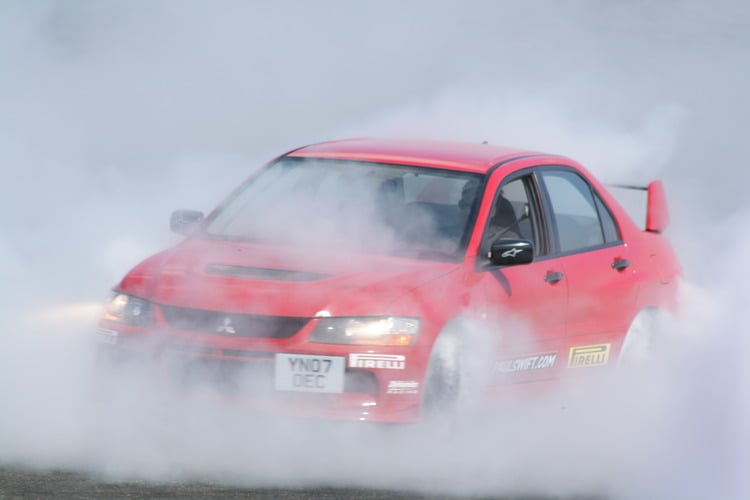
{"points": [[442, 383], [638, 344]]}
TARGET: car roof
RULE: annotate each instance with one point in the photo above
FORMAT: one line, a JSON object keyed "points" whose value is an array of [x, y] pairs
{"points": [[474, 157]]}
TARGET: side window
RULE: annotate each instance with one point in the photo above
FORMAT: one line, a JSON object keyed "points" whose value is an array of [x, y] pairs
{"points": [[574, 209], [513, 215], [609, 226]]}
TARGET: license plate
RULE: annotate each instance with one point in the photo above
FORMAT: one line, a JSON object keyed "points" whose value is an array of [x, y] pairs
{"points": [[309, 373]]}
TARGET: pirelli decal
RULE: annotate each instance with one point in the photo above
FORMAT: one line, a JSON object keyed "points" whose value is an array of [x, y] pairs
{"points": [[384, 361], [588, 355]]}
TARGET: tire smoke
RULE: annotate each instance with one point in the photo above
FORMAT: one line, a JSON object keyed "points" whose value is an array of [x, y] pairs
{"points": [[112, 114]]}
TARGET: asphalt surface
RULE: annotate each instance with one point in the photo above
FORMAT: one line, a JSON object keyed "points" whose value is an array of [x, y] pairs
{"points": [[19, 483]]}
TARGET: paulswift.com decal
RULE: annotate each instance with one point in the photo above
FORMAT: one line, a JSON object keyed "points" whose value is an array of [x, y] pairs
{"points": [[588, 355], [526, 363]]}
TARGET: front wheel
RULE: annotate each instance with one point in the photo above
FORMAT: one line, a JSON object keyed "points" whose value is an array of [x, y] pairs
{"points": [[443, 377], [457, 372]]}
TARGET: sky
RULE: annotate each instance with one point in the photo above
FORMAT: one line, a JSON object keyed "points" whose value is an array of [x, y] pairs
{"points": [[115, 113]]}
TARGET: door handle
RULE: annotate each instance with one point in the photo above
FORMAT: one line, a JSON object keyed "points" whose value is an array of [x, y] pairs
{"points": [[620, 264], [553, 277]]}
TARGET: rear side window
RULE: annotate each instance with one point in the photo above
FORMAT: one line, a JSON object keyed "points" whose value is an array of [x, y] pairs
{"points": [[609, 226], [576, 212]]}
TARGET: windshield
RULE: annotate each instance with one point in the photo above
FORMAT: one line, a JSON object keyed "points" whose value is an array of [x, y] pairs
{"points": [[355, 206]]}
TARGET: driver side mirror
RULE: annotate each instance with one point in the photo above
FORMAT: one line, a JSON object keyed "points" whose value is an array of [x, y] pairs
{"points": [[184, 221], [511, 252]]}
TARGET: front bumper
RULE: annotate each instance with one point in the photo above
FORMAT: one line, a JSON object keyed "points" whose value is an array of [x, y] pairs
{"points": [[241, 372]]}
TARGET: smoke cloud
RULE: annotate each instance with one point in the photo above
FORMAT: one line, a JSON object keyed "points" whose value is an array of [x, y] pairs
{"points": [[112, 114]]}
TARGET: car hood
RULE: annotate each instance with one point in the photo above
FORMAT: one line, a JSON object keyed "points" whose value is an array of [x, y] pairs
{"points": [[258, 279]]}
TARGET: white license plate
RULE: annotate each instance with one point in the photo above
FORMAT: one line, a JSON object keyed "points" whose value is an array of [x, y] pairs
{"points": [[309, 373]]}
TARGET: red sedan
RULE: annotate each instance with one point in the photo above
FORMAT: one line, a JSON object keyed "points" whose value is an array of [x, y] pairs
{"points": [[382, 280]]}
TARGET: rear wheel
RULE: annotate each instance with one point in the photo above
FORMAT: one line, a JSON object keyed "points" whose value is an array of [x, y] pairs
{"points": [[641, 339]]}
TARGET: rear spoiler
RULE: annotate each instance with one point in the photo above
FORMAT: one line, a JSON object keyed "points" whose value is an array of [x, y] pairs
{"points": [[657, 212]]}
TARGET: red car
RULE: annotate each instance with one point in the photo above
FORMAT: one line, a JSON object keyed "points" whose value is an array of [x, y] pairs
{"points": [[379, 280]]}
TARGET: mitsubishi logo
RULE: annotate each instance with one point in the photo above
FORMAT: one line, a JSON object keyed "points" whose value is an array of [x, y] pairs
{"points": [[512, 252], [226, 327]]}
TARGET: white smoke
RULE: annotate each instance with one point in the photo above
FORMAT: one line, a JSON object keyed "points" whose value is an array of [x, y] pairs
{"points": [[113, 114]]}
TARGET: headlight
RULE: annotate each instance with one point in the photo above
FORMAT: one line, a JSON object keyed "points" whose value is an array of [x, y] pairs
{"points": [[366, 331], [128, 309]]}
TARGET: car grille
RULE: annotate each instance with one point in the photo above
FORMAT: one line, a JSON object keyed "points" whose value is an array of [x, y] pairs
{"points": [[232, 324]]}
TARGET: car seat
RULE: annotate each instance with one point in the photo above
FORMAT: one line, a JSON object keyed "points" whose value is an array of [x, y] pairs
{"points": [[504, 221]]}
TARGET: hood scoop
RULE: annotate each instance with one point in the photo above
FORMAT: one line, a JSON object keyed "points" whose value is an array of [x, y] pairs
{"points": [[263, 273]]}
